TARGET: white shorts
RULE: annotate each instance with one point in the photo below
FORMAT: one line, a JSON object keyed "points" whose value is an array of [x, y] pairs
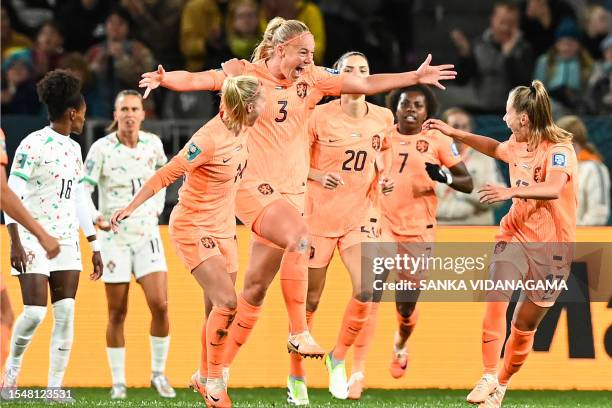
{"points": [[142, 258], [69, 258]]}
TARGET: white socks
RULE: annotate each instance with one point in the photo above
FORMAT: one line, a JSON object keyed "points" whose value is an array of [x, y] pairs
{"points": [[61, 341], [116, 361], [24, 329], [159, 353]]}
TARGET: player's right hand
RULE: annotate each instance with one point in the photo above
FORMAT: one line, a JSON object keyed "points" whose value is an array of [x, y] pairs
{"points": [[50, 245], [117, 217], [152, 80], [19, 259], [103, 224], [331, 180]]}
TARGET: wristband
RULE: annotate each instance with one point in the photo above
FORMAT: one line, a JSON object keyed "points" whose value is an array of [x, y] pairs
{"points": [[94, 245]]}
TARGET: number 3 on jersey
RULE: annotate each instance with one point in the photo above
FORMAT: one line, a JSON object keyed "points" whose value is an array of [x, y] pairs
{"points": [[282, 112]]}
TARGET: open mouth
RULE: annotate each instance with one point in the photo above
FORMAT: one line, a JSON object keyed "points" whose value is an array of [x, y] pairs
{"points": [[298, 71], [410, 118]]}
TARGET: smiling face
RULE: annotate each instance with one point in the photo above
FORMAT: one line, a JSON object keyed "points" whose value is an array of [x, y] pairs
{"points": [[516, 122], [129, 113], [411, 111], [296, 55]]}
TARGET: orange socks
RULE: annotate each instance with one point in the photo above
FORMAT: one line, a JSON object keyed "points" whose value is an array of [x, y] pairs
{"points": [[407, 324], [217, 326], [203, 356], [246, 317], [296, 366], [294, 285], [355, 317], [5, 343], [493, 335], [517, 349], [364, 339]]}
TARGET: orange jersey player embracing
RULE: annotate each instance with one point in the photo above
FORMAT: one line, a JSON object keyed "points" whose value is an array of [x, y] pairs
{"points": [[535, 237], [270, 200], [203, 225], [409, 214], [346, 137]]}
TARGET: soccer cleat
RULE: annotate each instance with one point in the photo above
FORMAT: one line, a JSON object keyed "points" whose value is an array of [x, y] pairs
{"points": [[160, 383], [297, 393], [118, 391], [495, 399], [305, 345], [355, 385], [485, 387], [64, 399], [216, 394], [196, 385], [225, 374], [338, 386], [9, 383], [399, 361]]}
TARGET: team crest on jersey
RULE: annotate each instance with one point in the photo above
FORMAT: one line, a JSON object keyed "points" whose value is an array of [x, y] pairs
{"points": [[110, 266], [537, 174], [265, 189], [208, 242], [376, 142], [500, 247], [192, 151], [30, 257], [422, 146], [559, 160], [302, 89]]}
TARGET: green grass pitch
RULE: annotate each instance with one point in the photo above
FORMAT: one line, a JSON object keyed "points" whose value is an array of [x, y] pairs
{"points": [[275, 397]]}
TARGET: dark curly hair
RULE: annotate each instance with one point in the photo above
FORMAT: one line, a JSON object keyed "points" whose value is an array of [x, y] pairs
{"points": [[430, 99], [60, 90]]}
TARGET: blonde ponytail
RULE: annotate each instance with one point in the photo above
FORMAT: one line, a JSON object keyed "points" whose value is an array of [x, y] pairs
{"points": [[535, 102], [278, 31], [237, 92]]}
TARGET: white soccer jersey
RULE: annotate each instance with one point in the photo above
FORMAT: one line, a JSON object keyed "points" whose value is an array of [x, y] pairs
{"points": [[119, 171], [52, 165]]}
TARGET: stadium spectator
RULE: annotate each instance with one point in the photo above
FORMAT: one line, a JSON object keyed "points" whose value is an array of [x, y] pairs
{"points": [[201, 20], [18, 85], [10, 38], [29, 15], [117, 62], [77, 65], [82, 22], [156, 23], [565, 69], [242, 30], [495, 63], [459, 208], [48, 49], [540, 19], [597, 26], [593, 175], [304, 10], [600, 85]]}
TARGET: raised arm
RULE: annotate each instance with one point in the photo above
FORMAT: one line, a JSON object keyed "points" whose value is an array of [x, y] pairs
{"points": [[483, 144], [182, 80]]}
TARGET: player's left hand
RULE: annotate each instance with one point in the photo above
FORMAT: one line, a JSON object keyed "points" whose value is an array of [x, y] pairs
{"points": [[117, 217], [387, 185], [433, 74], [98, 266], [436, 173], [490, 194]]}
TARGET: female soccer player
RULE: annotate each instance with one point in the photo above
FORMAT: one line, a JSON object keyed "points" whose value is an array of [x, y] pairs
{"points": [[118, 164], [409, 214], [543, 172], [203, 224], [46, 173], [346, 136], [271, 198]]}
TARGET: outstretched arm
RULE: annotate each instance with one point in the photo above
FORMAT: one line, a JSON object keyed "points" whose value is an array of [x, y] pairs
{"points": [[483, 144], [182, 80]]}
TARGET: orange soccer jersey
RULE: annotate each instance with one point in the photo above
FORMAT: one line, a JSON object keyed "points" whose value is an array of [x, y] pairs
{"points": [[3, 156], [347, 146], [411, 208], [540, 220], [213, 162]]}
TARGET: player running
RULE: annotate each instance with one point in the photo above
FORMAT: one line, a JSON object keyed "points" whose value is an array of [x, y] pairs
{"points": [[535, 237], [46, 171], [271, 198], [118, 164], [409, 215], [203, 224]]}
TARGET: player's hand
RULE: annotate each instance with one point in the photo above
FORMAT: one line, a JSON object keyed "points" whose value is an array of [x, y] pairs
{"points": [[50, 245], [372, 226], [233, 67], [118, 216], [387, 185], [19, 259], [433, 74], [103, 224], [490, 194], [436, 173], [152, 80], [98, 266], [331, 180], [437, 124]]}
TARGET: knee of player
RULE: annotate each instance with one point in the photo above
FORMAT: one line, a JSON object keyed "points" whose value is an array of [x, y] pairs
{"points": [[159, 307], [117, 315], [35, 314], [312, 302], [525, 324], [299, 242], [364, 295], [228, 301], [405, 310], [254, 292]]}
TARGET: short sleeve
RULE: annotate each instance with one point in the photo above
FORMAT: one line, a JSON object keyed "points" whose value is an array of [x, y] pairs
{"points": [[502, 151], [328, 81], [27, 158], [3, 156], [561, 158], [448, 154], [94, 163]]}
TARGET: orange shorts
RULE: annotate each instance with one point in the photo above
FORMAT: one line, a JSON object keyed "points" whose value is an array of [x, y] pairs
{"points": [[253, 198], [322, 248], [195, 245]]}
